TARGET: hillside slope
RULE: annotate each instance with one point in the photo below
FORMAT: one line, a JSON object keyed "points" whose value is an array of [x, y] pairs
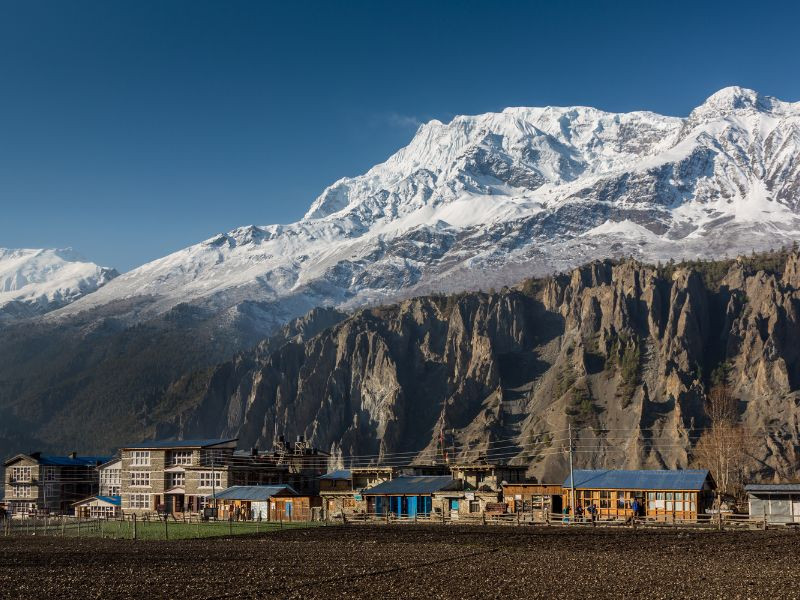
{"points": [[623, 352]]}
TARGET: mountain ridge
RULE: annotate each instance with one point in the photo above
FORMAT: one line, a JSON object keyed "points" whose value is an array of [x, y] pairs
{"points": [[36, 281], [503, 196]]}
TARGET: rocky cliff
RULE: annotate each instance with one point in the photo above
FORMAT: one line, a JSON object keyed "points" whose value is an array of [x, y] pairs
{"points": [[621, 352]]}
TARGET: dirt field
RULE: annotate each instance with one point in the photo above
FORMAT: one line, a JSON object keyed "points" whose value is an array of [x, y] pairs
{"points": [[410, 562]]}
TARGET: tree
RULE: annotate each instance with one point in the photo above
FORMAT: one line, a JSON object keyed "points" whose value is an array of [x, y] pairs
{"points": [[724, 448]]}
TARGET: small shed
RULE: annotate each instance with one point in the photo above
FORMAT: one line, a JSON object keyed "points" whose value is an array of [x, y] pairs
{"points": [[777, 503], [98, 507], [263, 502], [408, 496], [664, 494]]}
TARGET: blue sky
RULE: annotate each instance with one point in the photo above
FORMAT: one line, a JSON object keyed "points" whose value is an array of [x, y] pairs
{"points": [[132, 129]]}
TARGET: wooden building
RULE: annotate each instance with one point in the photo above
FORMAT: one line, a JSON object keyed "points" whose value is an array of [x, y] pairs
{"points": [[660, 494], [529, 497], [98, 507], [265, 503], [778, 503]]}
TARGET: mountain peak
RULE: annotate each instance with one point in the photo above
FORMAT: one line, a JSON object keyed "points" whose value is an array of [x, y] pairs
{"points": [[735, 99]]}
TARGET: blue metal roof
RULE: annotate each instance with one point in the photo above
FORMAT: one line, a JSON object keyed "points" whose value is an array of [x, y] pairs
{"points": [[257, 493], [78, 461], [338, 474], [181, 443], [412, 486], [773, 488], [115, 500], [599, 479]]}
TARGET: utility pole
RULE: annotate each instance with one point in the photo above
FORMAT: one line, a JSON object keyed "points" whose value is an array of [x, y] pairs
{"points": [[571, 476], [213, 484]]}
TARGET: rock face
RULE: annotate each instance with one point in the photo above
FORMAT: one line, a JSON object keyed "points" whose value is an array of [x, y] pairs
{"points": [[622, 352]]}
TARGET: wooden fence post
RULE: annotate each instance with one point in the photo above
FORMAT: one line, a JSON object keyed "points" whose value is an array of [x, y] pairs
{"points": [[134, 525]]}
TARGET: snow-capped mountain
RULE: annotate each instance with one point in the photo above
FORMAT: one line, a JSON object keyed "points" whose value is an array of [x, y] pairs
{"points": [[34, 281], [486, 200]]}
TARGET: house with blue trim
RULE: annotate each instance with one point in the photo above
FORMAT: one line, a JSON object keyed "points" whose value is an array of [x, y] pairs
{"points": [[410, 496]]}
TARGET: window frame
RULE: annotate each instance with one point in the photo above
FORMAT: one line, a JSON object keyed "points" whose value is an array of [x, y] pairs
{"points": [[140, 458], [137, 478]]}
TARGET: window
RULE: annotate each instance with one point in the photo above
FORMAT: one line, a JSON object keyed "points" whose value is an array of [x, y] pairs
{"points": [[20, 474], [22, 507], [140, 458], [474, 506], [177, 479], [180, 457], [206, 479], [140, 479], [49, 473], [140, 501], [110, 482], [620, 499], [21, 491]]}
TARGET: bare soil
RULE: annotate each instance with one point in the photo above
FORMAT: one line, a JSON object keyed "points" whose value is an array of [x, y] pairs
{"points": [[411, 562]]}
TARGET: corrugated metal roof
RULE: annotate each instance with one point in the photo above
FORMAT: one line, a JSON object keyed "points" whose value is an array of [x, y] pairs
{"points": [[68, 461], [181, 443], [408, 485], [338, 474], [773, 488], [115, 500], [598, 479], [257, 493]]}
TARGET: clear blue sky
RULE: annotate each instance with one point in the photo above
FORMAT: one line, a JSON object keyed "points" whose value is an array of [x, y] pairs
{"points": [[132, 129]]}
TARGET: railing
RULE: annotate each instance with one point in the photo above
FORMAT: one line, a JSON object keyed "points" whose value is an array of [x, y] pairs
{"points": [[545, 518]]}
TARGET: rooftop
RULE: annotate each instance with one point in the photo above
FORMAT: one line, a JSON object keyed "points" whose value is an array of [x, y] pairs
{"points": [[256, 493], [159, 444], [413, 485], [64, 461], [682, 479], [338, 474], [774, 488]]}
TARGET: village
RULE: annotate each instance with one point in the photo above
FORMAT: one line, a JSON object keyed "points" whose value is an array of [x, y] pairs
{"points": [[212, 480]]}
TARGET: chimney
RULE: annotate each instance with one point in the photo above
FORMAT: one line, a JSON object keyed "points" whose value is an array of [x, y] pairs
{"points": [[73, 455], [254, 451]]}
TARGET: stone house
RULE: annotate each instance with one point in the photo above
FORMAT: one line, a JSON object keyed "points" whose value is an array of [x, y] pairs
{"points": [[42, 484]]}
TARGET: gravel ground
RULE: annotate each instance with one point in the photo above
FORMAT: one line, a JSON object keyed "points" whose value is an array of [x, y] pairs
{"points": [[411, 562]]}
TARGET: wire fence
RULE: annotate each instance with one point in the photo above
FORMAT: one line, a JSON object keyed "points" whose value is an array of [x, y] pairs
{"points": [[136, 528], [151, 527]]}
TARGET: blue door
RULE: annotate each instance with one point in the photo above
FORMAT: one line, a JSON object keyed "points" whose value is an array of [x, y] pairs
{"points": [[454, 505], [379, 505], [396, 505], [412, 506], [424, 505]]}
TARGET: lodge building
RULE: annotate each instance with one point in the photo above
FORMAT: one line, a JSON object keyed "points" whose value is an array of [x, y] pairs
{"points": [[662, 494], [40, 484]]}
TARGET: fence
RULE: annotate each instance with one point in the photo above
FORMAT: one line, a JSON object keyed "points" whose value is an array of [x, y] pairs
{"points": [[143, 528], [544, 518]]}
